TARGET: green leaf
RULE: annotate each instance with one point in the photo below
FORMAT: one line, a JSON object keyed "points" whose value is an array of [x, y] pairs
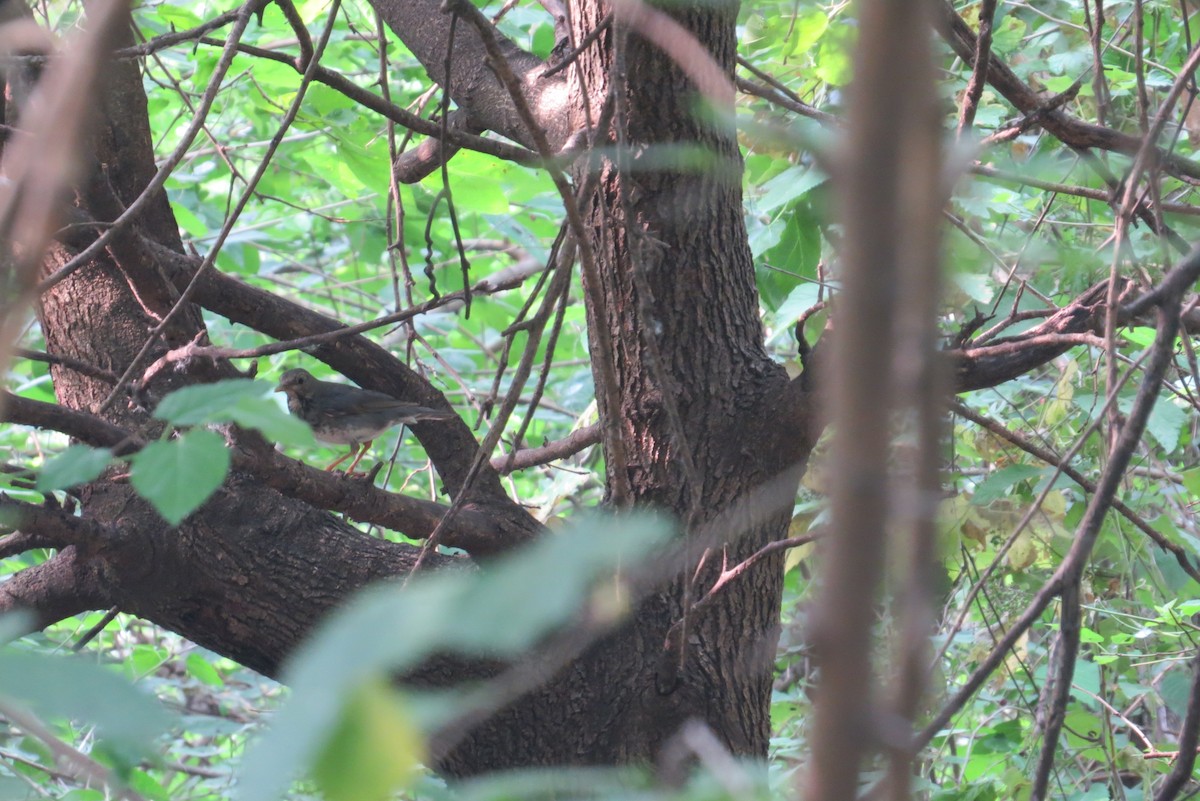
{"points": [[178, 17], [997, 484], [979, 288], [802, 298], [188, 221], [78, 464], [203, 671], [796, 254], [208, 403], [1165, 423], [833, 60], [809, 27], [75, 795], [239, 400], [374, 749], [149, 787], [366, 164], [1175, 688], [792, 183], [1142, 336], [66, 687], [275, 423], [180, 474]]}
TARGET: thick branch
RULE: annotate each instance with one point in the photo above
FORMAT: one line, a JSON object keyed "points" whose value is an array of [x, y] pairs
{"points": [[80, 425], [426, 30], [64, 585], [1005, 359], [52, 528], [471, 529]]}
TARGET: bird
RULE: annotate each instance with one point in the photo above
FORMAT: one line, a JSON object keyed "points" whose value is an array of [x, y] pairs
{"points": [[344, 415]]}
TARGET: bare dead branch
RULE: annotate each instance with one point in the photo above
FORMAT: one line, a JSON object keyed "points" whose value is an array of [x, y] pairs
{"points": [[573, 443], [615, 448], [90, 370], [1070, 189], [176, 37], [557, 288], [983, 54], [731, 574], [297, 24]]}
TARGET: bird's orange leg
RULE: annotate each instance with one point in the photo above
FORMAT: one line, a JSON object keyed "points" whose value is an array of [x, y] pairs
{"points": [[338, 461], [358, 458]]}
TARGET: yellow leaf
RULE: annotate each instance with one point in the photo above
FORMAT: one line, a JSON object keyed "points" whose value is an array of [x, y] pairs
{"points": [[374, 749]]}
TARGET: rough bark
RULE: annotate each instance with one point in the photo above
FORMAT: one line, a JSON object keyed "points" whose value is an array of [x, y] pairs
{"points": [[696, 387]]}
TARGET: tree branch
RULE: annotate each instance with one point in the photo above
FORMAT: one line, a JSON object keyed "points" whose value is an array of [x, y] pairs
{"points": [[45, 527], [473, 529], [569, 445], [1005, 359], [424, 27], [80, 425], [1046, 455], [1070, 130], [66, 584], [400, 116], [1189, 734]]}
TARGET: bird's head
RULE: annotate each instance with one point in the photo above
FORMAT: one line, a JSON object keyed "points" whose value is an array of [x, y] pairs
{"points": [[297, 382]]}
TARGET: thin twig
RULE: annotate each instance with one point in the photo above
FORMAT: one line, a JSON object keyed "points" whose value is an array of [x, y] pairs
{"points": [[1189, 734], [134, 210], [578, 440], [70, 760], [184, 300], [983, 53]]}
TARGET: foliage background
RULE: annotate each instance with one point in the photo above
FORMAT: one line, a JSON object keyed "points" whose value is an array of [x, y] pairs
{"points": [[1030, 225]]}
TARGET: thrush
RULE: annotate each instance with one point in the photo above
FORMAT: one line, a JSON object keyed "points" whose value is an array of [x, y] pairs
{"points": [[345, 415]]}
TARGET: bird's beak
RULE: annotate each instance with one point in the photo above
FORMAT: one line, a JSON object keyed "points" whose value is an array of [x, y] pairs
{"points": [[279, 388]]}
